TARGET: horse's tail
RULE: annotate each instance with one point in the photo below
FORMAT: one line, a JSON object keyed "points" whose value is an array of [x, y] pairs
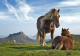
{"points": [[38, 37], [59, 46]]}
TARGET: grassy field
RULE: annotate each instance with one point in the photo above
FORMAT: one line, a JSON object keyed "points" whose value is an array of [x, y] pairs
{"points": [[34, 49]]}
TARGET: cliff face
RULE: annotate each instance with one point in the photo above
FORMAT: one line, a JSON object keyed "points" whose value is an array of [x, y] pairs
{"points": [[19, 37]]}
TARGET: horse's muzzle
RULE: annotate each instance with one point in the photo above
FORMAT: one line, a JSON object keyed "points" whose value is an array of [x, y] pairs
{"points": [[57, 25]]}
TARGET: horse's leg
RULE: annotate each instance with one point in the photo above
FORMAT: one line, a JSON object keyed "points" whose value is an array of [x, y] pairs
{"points": [[59, 46], [40, 39], [38, 36], [43, 37], [52, 34]]}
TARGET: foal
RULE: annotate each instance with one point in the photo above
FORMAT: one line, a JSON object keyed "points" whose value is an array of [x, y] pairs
{"points": [[64, 42]]}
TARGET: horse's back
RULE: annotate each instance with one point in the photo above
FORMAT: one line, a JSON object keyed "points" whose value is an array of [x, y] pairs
{"points": [[63, 40], [68, 42], [38, 22], [59, 39]]}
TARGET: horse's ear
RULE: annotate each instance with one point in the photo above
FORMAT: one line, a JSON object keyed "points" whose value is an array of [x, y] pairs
{"points": [[68, 29], [58, 10]]}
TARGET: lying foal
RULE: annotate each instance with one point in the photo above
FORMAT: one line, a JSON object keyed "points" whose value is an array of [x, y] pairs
{"points": [[64, 42]]}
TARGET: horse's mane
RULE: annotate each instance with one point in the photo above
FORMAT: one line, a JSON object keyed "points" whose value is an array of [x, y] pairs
{"points": [[51, 12]]}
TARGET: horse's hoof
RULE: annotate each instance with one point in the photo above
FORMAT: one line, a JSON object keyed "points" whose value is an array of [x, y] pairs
{"points": [[52, 47], [42, 45]]}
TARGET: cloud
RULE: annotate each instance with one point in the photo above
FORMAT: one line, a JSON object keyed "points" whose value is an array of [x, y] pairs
{"points": [[70, 11], [6, 16], [70, 19], [3, 16], [75, 29], [69, 3], [21, 12]]}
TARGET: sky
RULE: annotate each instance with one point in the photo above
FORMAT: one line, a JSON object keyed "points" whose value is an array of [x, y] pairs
{"points": [[22, 15]]}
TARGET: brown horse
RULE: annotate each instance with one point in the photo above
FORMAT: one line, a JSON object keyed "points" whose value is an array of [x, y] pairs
{"points": [[48, 26], [64, 42]]}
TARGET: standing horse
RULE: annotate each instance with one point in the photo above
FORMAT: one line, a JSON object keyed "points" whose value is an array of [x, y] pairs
{"points": [[48, 27]]}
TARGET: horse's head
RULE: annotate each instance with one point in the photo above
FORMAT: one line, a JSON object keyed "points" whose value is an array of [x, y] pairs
{"points": [[65, 32], [55, 17]]}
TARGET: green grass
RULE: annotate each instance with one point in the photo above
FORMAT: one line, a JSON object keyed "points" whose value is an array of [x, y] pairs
{"points": [[34, 49]]}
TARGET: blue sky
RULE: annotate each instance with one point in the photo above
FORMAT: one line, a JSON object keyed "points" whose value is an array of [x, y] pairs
{"points": [[21, 15]]}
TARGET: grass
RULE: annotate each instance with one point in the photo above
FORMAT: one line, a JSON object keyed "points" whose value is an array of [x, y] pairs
{"points": [[34, 49]]}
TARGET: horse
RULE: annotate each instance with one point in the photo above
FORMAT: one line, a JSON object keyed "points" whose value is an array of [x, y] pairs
{"points": [[64, 42], [48, 27]]}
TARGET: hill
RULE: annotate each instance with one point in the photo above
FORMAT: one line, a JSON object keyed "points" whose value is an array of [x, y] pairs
{"points": [[76, 37], [19, 37], [34, 49]]}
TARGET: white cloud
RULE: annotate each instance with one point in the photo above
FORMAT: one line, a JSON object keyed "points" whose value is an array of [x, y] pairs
{"points": [[70, 19], [75, 29], [69, 3], [21, 12], [12, 10], [3, 16], [71, 16], [2, 13], [24, 9]]}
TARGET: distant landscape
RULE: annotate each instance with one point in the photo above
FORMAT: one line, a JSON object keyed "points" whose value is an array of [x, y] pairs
{"points": [[19, 44], [76, 37], [20, 37]]}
